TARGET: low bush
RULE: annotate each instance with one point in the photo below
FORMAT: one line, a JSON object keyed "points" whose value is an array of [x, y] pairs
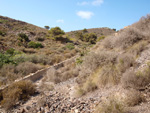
{"points": [[8, 74], [100, 38], [133, 97], [2, 33], [17, 91], [137, 48], [108, 42], [94, 60], [26, 68], [124, 62], [84, 30], [40, 39], [110, 105], [35, 45], [23, 37], [79, 61], [70, 46], [5, 59], [103, 69], [129, 36], [136, 79], [109, 75]]}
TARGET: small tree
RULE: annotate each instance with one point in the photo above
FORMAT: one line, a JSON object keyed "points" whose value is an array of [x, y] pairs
{"points": [[47, 27], [85, 30], [56, 32], [79, 35], [91, 37]]}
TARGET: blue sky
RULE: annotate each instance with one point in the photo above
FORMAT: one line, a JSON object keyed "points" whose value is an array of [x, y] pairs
{"points": [[76, 14]]}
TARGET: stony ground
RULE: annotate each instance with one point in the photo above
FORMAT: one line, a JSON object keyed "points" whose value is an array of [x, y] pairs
{"points": [[59, 100]]}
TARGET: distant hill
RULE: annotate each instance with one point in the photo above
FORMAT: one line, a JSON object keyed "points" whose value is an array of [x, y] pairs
{"points": [[104, 31]]}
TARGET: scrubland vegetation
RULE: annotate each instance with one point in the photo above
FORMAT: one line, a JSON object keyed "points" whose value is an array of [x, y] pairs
{"points": [[113, 63], [25, 49], [16, 92]]}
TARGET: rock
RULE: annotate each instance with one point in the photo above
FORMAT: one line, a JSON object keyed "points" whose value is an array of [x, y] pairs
{"points": [[76, 111], [28, 107]]}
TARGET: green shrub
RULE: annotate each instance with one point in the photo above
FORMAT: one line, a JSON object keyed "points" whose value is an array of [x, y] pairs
{"points": [[84, 30], [79, 35], [91, 37], [23, 37], [3, 21], [79, 61], [100, 38], [46, 27], [70, 46], [56, 32], [10, 51], [35, 45], [2, 33], [40, 38], [5, 59]]}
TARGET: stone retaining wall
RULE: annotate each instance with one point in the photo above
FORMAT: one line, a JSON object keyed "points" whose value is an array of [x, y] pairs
{"points": [[40, 73]]}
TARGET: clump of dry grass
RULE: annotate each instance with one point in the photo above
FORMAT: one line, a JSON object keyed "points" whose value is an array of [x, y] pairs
{"points": [[133, 97], [21, 90], [11, 72], [109, 75], [110, 105], [26, 68], [137, 48], [62, 73], [143, 24], [119, 101], [103, 69], [93, 61], [125, 61], [129, 36], [124, 39], [7, 72], [136, 79]]}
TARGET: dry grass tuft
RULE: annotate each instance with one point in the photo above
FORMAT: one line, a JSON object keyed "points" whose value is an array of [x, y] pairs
{"points": [[18, 91], [133, 97], [136, 79], [129, 36], [110, 105], [26, 68], [137, 48]]}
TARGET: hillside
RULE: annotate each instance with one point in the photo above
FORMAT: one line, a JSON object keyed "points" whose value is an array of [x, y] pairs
{"points": [[109, 73], [27, 49], [98, 31]]}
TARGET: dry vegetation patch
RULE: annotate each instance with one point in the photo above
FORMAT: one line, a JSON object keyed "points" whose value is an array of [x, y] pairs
{"points": [[18, 91], [136, 80]]}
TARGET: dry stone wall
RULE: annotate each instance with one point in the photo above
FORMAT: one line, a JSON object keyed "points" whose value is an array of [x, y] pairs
{"points": [[40, 73]]}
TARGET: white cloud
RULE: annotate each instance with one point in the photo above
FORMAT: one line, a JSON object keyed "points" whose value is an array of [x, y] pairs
{"points": [[83, 3], [97, 2], [60, 21], [85, 14], [94, 3]]}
